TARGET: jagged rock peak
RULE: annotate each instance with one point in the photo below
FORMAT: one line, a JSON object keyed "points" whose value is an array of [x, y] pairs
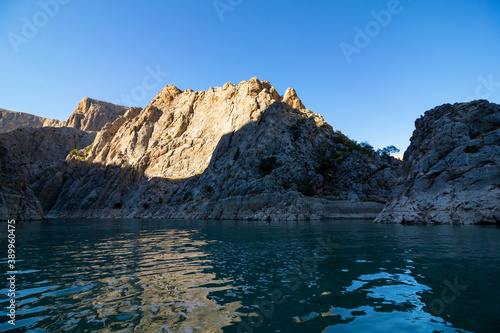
{"points": [[253, 87], [170, 90], [292, 99], [92, 114]]}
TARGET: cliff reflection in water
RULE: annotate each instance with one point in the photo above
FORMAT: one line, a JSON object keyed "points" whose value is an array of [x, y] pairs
{"points": [[152, 283]]}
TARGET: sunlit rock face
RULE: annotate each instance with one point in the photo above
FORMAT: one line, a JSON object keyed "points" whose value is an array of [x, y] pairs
{"points": [[451, 170], [92, 115], [232, 152], [11, 120]]}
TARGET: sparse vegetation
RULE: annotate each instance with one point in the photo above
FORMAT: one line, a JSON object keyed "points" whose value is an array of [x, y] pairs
{"points": [[387, 151], [308, 190], [366, 147], [327, 163], [295, 129], [79, 153], [326, 126], [344, 140]]}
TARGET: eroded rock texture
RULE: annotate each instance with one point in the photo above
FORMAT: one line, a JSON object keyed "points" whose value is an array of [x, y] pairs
{"points": [[451, 170], [232, 152]]}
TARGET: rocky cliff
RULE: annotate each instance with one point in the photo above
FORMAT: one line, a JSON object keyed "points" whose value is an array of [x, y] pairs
{"points": [[232, 152], [34, 149], [10, 120], [89, 115], [451, 171], [29, 156], [17, 200], [92, 115]]}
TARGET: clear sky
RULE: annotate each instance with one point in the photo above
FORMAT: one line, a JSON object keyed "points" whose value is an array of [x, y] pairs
{"points": [[369, 67]]}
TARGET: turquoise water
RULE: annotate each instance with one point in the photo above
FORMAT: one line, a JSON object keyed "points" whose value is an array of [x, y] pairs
{"points": [[230, 276]]}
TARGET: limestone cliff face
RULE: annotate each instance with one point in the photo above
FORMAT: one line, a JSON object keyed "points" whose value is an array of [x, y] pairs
{"points": [[17, 200], [451, 169], [10, 120], [237, 151], [92, 115]]}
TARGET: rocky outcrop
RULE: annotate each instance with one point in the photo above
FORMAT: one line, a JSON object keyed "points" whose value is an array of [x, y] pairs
{"points": [[232, 152], [17, 200], [35, 149], [92, 115], [10, 120], [39, 153], [451, 170]]}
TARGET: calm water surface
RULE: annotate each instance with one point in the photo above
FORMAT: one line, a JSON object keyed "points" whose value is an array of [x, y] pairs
{"points": [[202, 276]]}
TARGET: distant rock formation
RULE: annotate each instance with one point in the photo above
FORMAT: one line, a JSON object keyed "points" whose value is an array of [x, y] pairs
{"points": [[232, 152], [92, 115], [11, 120], [451, 170]]}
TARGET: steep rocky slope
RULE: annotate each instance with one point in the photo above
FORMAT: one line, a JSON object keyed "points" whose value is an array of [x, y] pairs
{"points": [[41, 152], [92, 115], [34, 150], [238, 151], [17, 200], [11, 120], [451, 170]]}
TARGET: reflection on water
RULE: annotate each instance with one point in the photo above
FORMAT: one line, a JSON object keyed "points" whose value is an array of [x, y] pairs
{"points": [[200, 276], [148, 283]]}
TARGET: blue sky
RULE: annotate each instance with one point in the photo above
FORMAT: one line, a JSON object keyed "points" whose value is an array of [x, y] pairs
{"points": [[403, 57]]}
